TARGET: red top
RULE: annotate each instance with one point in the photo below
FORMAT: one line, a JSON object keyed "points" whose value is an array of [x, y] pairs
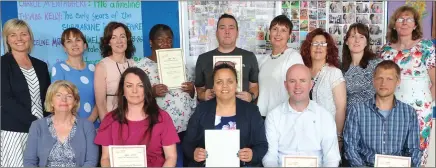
{"points": [[163, 134]]}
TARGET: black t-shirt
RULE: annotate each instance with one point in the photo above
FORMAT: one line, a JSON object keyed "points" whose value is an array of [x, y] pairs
{"points": [[204, 68]]}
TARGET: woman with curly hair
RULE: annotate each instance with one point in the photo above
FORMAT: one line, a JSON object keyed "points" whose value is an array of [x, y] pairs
{"points": [[320, 54], [117, 49]]}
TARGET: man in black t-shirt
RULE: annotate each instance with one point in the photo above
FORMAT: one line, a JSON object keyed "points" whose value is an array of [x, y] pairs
{"points": [[227, 33]]}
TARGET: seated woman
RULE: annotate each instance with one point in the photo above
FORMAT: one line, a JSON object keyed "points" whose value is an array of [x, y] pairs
{"points": [[61, 139], [226, 112], [138, 121]]}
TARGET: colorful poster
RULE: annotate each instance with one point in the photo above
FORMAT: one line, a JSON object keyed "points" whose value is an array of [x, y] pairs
{"points": [[334, 17], [305, 16], [253, 20], [48, 19]]}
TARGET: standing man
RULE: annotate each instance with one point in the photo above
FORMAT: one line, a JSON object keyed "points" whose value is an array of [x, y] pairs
{"points": [[300, 127], [227, 33], [382, 125]]}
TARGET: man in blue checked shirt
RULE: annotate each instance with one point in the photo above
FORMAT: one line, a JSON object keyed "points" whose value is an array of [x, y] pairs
{"points": [[382, 125]]}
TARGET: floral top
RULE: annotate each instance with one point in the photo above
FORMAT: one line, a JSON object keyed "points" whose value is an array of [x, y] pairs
{"points": [[414, 88], [225, 123], [179, 104], [359, 82], [62, 154]]}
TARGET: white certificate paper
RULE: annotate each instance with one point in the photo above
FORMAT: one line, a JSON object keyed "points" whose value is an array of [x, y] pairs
{"points": [[391, 161], [237, 61], [300, 161], [128, 155], [171, 67], [222, 147]]}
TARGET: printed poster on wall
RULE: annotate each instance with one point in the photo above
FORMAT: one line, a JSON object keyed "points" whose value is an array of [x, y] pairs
{"points": [[253, 20], [48, 19], [335, 17]]}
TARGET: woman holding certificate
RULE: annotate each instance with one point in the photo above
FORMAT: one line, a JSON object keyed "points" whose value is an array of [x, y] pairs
{"points": [[62, 139], [137, 121], [178, 102], [226, 112], [117, 49]]}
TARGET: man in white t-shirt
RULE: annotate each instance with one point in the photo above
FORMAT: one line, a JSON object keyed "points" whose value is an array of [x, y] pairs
{"points": [[300, 127]]}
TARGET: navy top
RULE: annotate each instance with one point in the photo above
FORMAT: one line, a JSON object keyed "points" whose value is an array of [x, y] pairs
{"points": [[225, 123]]}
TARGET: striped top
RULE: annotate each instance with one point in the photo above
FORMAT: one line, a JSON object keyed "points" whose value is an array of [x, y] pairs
{"points": [[367, 132], [33, 84]]}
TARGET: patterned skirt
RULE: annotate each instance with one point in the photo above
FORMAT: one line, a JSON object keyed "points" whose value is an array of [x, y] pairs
{"points": [[12, 148]]}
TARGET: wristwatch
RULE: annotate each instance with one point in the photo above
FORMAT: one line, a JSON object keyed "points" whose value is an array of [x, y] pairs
{"points": [[253, 97]]}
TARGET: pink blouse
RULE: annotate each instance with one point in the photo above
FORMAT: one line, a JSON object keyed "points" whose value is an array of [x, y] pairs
{"points": [[163, 134]]}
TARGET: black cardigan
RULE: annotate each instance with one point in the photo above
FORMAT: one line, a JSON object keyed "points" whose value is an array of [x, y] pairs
{"points": [[16, 103], [248, 121]]}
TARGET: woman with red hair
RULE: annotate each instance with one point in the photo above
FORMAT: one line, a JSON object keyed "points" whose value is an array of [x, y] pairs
{"points": [[320, 54]]}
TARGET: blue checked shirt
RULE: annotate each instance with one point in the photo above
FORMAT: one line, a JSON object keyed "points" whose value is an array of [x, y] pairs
{"points": [[367, 132]]}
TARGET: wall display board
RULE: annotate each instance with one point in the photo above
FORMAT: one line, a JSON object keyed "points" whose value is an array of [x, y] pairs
{"points": [[199, 22], [335, 17], [199, 18], [48, 19]]}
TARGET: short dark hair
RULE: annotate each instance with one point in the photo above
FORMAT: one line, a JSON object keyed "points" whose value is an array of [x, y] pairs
{"points": [[224, 66], [225, 15], [388, 64], [75, 32], [157, 28], [282, 20], [106, 50]]}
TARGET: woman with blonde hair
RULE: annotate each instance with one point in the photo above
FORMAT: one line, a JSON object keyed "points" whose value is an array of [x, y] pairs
{"points": [[61, 139], [416, 58], [24, 82]]}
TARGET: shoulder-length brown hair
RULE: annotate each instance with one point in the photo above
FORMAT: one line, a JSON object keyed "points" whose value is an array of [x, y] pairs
{"points": [[332, 50], [106, 50], [150, 106], [367, 53], [392, 35]]}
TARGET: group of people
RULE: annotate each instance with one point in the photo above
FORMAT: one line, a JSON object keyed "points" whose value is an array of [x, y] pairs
{"points": [[299, 103]]}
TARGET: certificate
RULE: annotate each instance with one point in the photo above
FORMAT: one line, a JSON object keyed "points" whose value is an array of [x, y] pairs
{"points": [[391, 161], [300, 161], [222, 147], [171, 67], [235, 60], [128, 155]]}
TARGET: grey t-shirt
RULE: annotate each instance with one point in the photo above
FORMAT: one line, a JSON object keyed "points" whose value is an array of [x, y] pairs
{"points": [[204, 68], [385, 113]]}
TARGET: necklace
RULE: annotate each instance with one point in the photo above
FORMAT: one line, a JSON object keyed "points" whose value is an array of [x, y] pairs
{"points": [[278, 55], [315, 79], [128, 65]]}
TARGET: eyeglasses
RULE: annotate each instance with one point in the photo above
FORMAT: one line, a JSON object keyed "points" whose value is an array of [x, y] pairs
{"points": [[408, 20], [60, 96], [316, 44]]}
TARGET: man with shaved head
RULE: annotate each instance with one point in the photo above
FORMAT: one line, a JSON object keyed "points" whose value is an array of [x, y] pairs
{"points": [[300, 127]]}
